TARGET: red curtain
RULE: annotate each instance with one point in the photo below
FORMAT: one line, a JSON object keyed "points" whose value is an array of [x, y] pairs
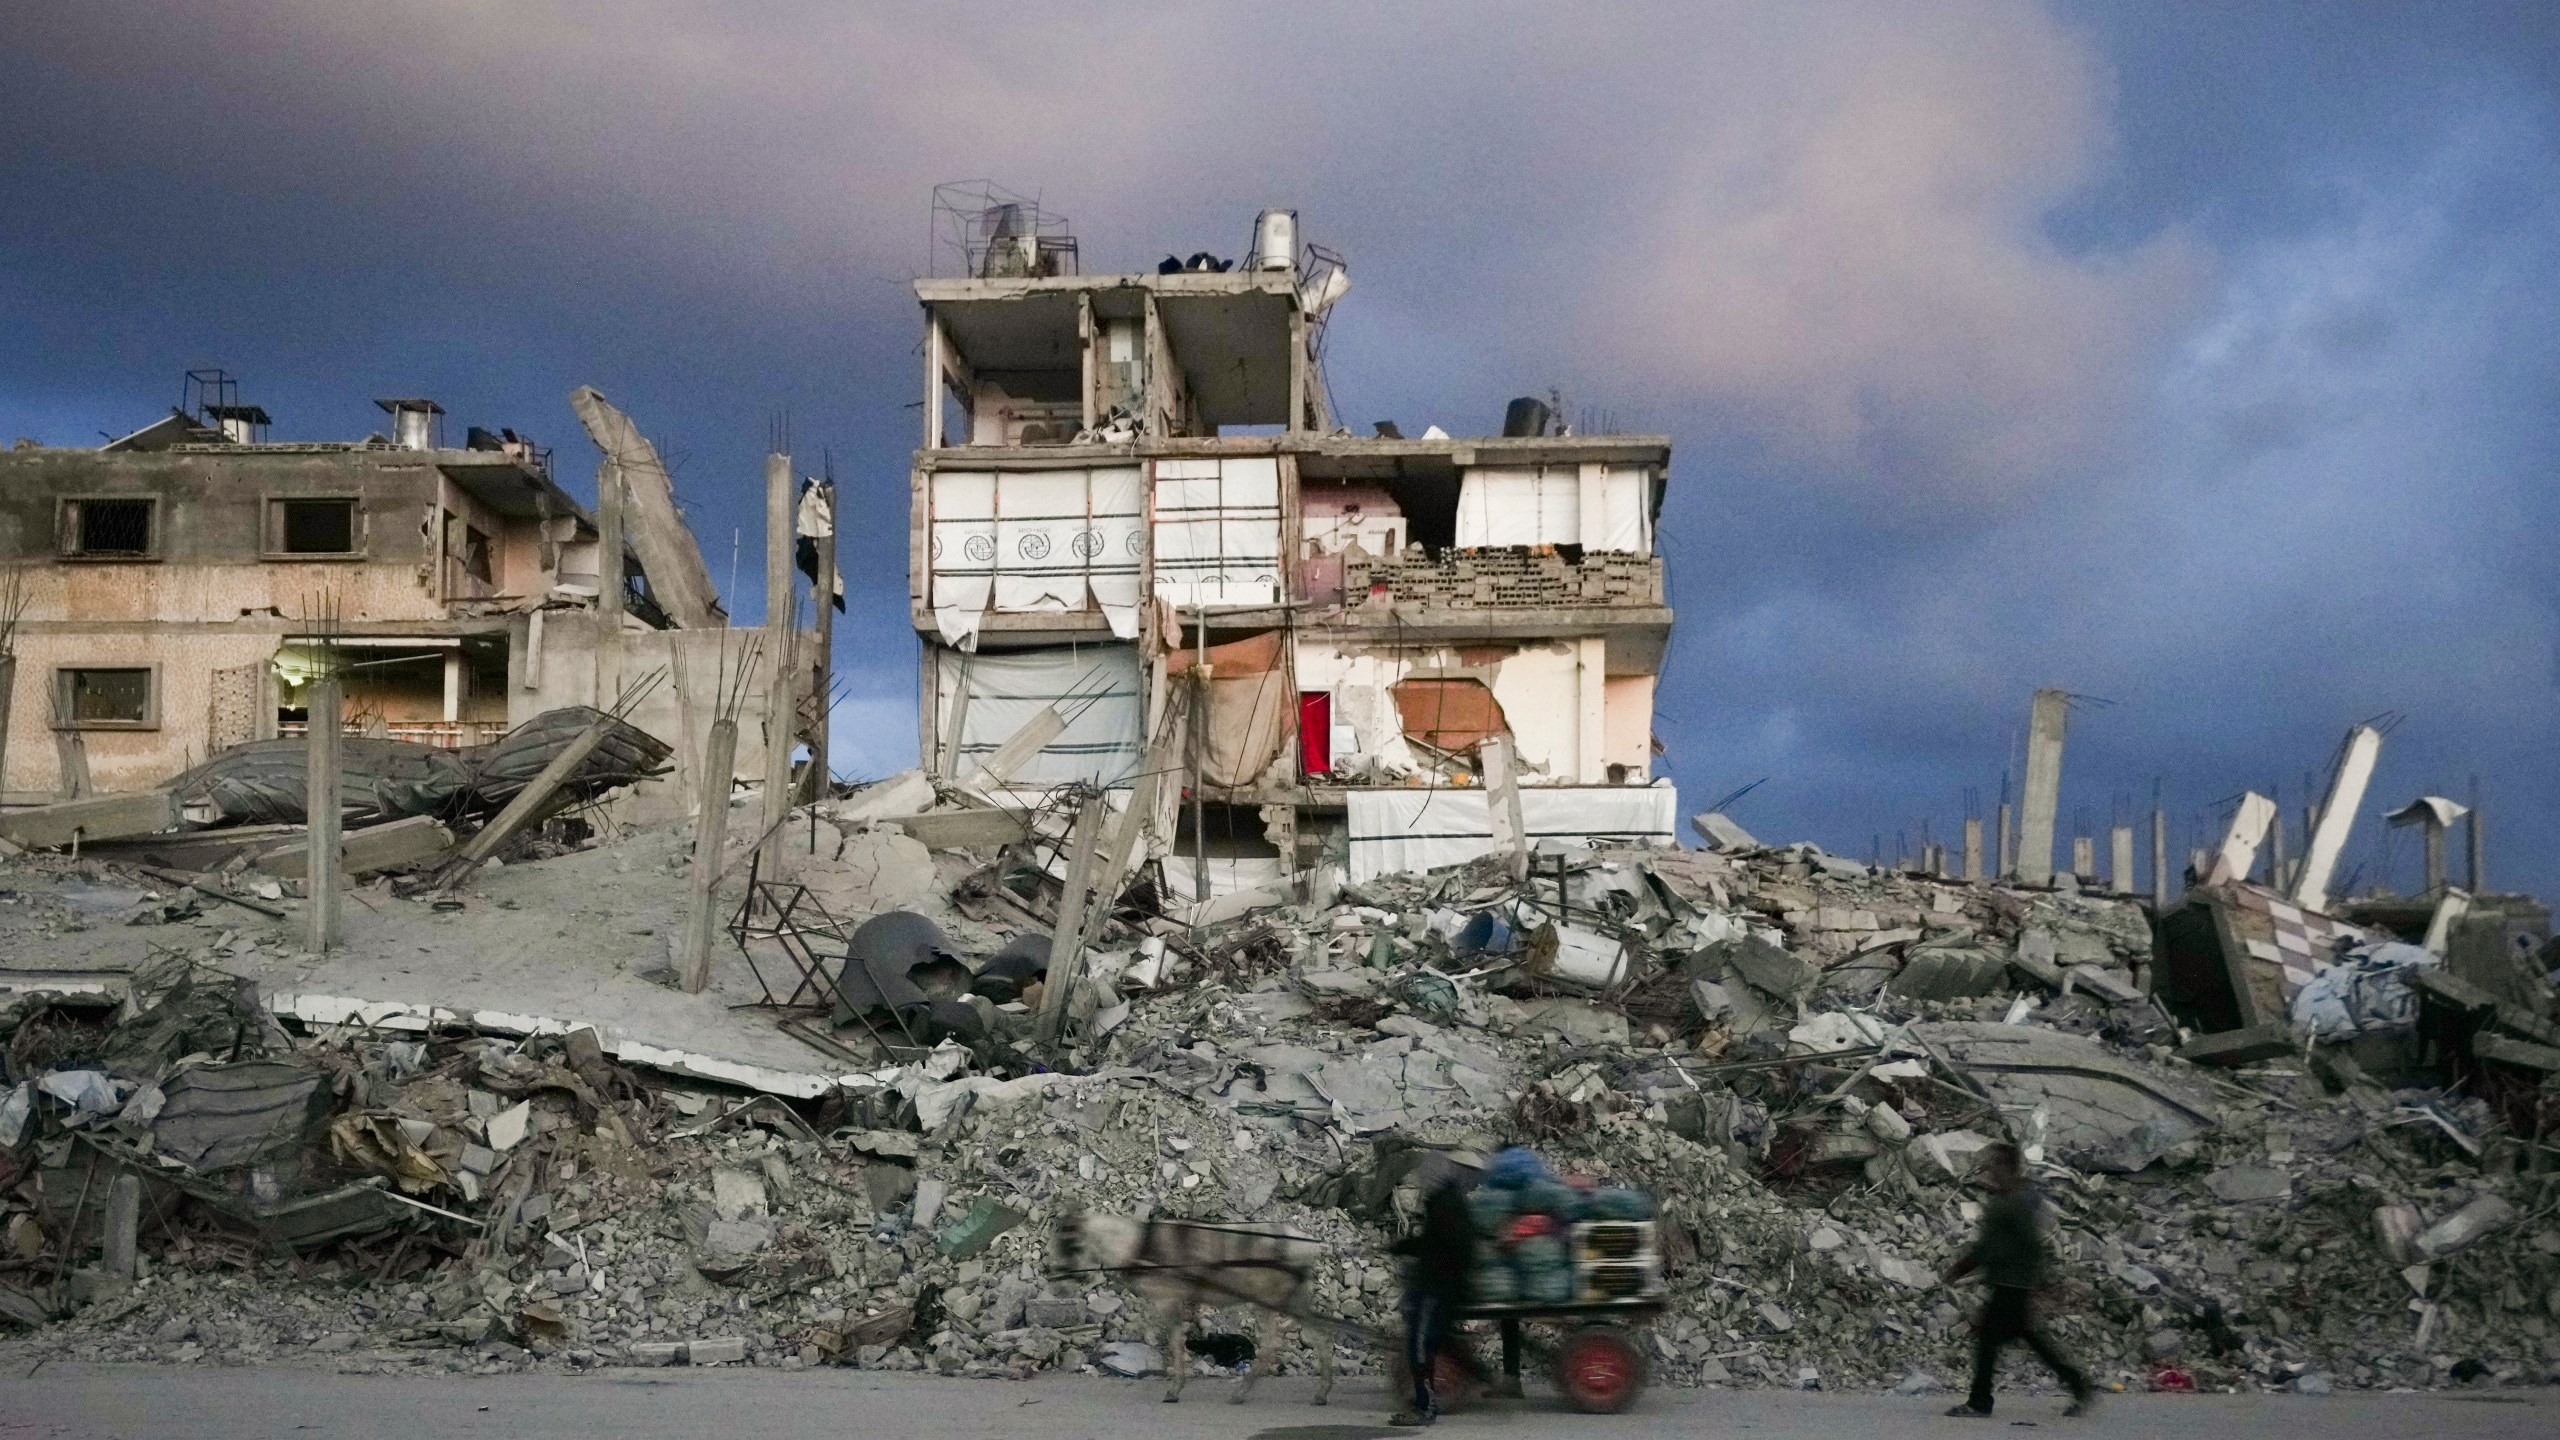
{"points": [[1315, 732]]}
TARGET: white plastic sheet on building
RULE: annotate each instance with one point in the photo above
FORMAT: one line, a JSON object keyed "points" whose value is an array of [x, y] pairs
{"points": [[1217, 531], [1548, 505], [1403, 830], [1096, 688], [1035, 541]]}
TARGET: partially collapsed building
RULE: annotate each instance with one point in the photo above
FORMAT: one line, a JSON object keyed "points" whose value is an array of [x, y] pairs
{"points": [[1133, 502], [182, 584]]}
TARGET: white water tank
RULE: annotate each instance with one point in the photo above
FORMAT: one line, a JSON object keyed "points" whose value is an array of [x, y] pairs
{"points": [[1275, 241]]}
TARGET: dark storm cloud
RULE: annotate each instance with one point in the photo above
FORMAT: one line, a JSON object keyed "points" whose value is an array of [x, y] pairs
{"points": [[2191, 358]]}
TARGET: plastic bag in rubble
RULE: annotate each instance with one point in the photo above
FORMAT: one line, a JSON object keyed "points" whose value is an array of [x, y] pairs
{"points": [[14, 1112], [2366, 992], [88, 1092]]}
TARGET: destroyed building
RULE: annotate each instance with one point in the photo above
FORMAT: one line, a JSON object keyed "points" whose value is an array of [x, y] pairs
{"points": [[1133, 501], [179, 586], [815, 1081]]}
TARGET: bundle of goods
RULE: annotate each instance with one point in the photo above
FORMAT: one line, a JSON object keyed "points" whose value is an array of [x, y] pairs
{"points": [[1544, 1242]]}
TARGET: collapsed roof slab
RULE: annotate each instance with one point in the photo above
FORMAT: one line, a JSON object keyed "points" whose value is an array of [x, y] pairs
{"points": [[668, 554]]}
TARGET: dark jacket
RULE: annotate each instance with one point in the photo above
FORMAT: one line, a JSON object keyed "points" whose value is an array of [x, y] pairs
{"points": [[2009, 1249], [1443, 1251]]}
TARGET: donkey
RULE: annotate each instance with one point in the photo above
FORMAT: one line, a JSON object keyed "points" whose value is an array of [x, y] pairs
{"points": [[1182, 1267]]}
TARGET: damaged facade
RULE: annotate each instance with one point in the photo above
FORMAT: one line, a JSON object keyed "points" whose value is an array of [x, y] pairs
{"points": [[182, 585], [1133, 503], [1388, 702]]}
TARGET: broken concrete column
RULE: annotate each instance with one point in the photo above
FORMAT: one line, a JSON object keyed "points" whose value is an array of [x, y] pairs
{"points": [[2084, 858], [2159, 861], [710, 834], [1972, 849], [2472, 863], [2007, 841], [609, 542], [1502, 792], [2045, 723], [8, 688], [782, 704], [2120, 860], [325, 863], [2434, 815], [2239, 852], [2328, 838], [124, 1226]]}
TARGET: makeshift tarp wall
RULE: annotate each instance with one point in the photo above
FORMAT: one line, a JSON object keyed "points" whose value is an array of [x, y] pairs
{"points": [[1035, 541], [1217, 531], [1096, 688], [1413, 830], [1598, 507], [1250, 700]]}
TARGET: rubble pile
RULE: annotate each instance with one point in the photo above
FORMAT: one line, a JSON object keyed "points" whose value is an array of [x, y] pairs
{"points": [[1799, 1057]]}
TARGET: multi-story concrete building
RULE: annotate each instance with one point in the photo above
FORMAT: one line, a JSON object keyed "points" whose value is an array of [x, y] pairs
{"points": [[1121, 472], [177, 583]]}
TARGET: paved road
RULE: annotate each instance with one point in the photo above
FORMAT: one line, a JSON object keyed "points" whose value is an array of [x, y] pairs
{"points": [[77, 1402]]}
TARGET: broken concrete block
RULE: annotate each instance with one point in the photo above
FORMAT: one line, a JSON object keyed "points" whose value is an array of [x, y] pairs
{"points": [[1765, 966], [2248, 1184], [1578, 1021], [726, 1350], [1054, 1312], [737, 1194], [2465, 1227], [1886, 1124], [655, 1352], [508, 1127], [2395, 1229], [1721, 833], [1947, 1154]]}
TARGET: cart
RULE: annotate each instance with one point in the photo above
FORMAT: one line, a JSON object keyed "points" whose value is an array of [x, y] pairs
{"points": [[1598, 1361]]}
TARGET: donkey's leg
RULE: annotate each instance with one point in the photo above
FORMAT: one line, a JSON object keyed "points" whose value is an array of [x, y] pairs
{"points": [[1322, 1343], [1247, 1373]]}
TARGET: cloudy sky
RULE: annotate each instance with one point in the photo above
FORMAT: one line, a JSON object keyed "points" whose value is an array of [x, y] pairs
{"points": [[2192, 358]]}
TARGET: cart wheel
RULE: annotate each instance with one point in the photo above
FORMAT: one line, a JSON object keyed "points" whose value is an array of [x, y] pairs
{"points": [[1600, 1369]]}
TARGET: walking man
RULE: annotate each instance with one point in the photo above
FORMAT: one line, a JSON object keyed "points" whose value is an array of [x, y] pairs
{"points": [[2009, 1255], [1442, 1262]]}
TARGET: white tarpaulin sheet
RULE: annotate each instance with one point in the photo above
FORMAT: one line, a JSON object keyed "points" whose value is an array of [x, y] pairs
{"points": [[1036, 541], [1217, 531], [1097, 691], [1546, 505], [1412, 830]]}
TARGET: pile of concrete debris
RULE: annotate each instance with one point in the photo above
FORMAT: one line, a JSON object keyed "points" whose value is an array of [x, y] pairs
{"points": [[1801, 1056]]}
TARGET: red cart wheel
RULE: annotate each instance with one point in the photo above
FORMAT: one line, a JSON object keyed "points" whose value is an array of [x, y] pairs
{"points": [[1600, 1369]]}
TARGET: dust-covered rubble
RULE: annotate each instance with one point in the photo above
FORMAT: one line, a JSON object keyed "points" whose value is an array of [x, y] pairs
{"points": [[1800, 1057]]}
